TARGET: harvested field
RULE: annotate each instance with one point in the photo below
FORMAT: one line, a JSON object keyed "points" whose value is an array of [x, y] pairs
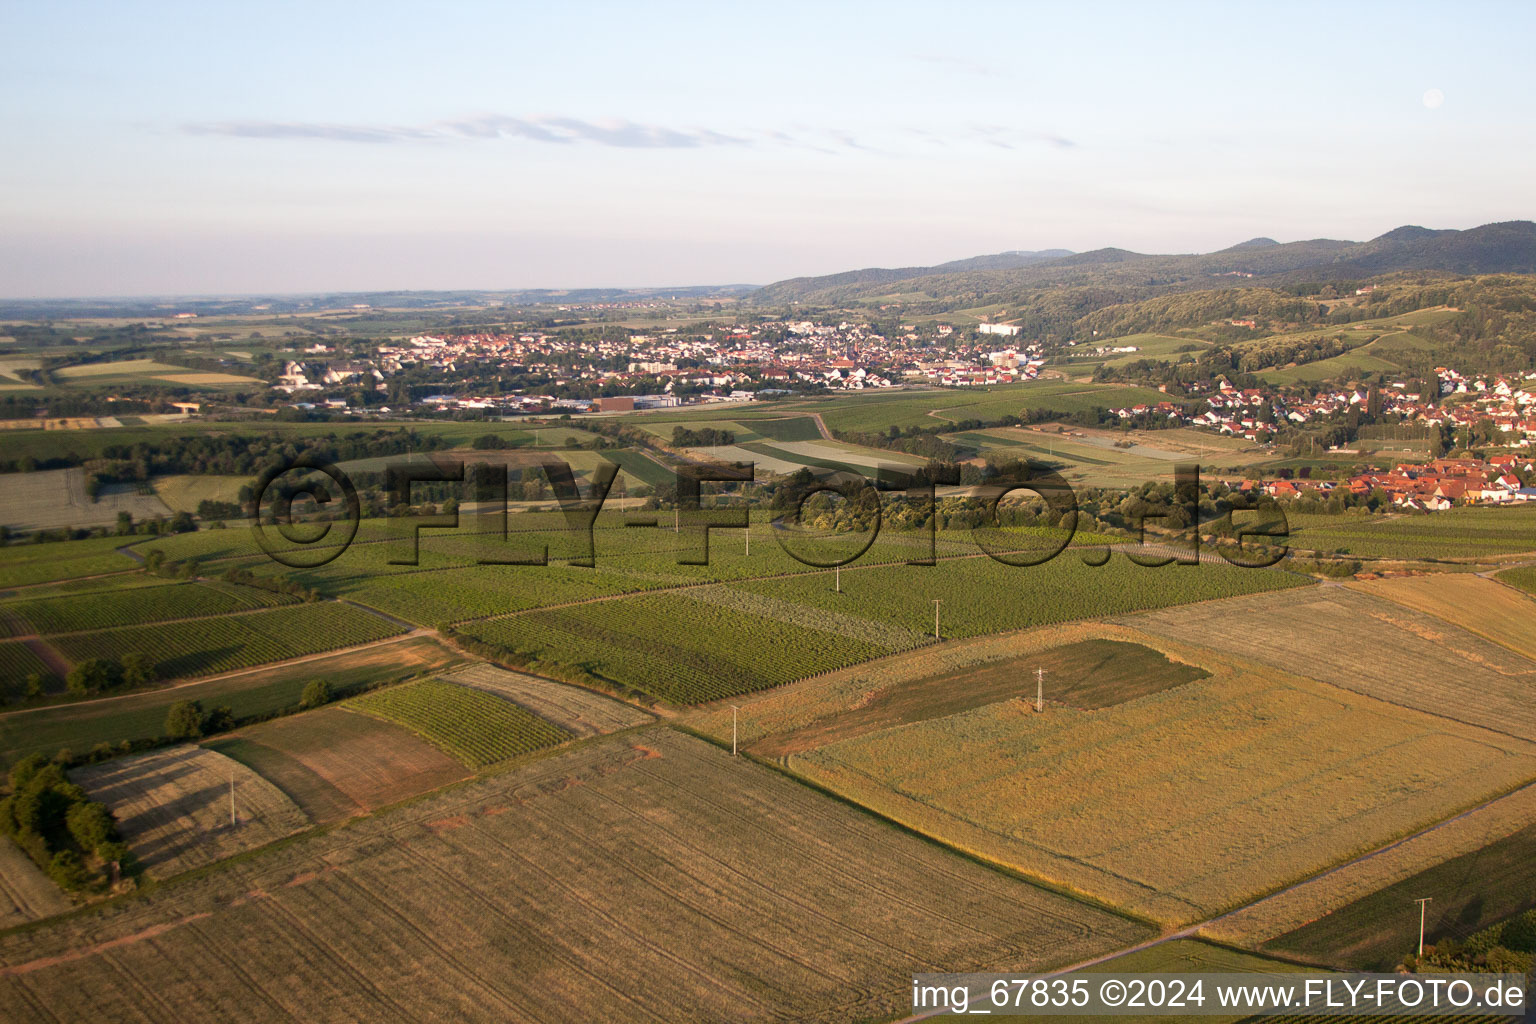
{"points": [[1476, 841], [1471, 892], [1087, 674], [372, 762], [580, 712], [317, 798], [475, 726], [648, 878], [1368, 645], [26, 894], [1178, 804], [51, 498], [173, 807], [1485, 607]]}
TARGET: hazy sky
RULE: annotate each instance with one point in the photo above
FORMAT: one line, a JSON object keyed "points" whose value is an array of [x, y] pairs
{"points": [[215, 148]]}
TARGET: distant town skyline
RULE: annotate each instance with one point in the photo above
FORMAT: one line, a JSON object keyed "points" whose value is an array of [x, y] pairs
{"points": [[188, 149]]}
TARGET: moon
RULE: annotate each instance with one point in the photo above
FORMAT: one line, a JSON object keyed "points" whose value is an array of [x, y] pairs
{"points": [[1433, 99]]}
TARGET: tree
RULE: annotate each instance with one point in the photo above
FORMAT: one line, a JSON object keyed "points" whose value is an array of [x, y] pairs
{"points": [[93, 675], [184, 721], [316, 693], [90, 824], [137, 669]]}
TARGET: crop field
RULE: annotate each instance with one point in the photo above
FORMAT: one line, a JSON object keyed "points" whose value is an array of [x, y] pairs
{"points": [[1082, 460], [1370, 646], [173, 807], [475, 726], [17, 662], [701, 645], [50, 498], [564, 892], [139, 716], [208, 646], [1463, 533], [122, 368], [1086, 674], [24, 565], [1471, 892], [579, 712], [1434, 853], [1182, 803], [1485, 607], [876, 412], [26, 894], [321, 802], [640, 466], [183, 492], [138, 605], [372, 762]]}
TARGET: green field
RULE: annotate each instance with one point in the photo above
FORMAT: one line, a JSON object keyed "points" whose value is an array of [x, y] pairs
{"points": [[141, 716], [474, 726], [1459, 533], [27, 564], [208, 646], [138, 605]]}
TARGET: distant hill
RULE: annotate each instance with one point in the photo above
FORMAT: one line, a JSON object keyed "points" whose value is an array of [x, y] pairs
{"points": [[1508, 247]]}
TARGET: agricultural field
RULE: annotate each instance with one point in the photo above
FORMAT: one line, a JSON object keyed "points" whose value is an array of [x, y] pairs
{"points": [[706, 643], [873, 413], [208, 646], [474, 725], [18, 661], [1168, 803], [567, 887], [173, 807], [1488, 608], [1082, 460], [1370, 646], [1462, 533], [138, 605], [255, 692], [373, 763], [1471, 892], [579, 712], [1435, 852], [51, 498], [25, 565], [183, 492], [26, 894]]}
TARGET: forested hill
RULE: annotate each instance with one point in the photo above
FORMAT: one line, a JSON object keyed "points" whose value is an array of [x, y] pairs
{"points": [[1123, 276]]}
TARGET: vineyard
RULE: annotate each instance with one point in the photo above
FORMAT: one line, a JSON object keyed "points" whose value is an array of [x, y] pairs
{"points": [[17, 662], [474, 726], [28, 564], [207, 646], [140, 605], [1457, 534]]}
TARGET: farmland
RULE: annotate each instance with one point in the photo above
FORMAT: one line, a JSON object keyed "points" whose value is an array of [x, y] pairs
{"points": [[206, 646], [135, 606], [475, 726], [1464, 533], [253, 693], [173, 807], [1499, 613], [1170, 804], [18, 662], [372, 762], [1455, 673], [24, 565], [26, 894], [564, 891], [578, 711], [875, 413], [50, 498]]}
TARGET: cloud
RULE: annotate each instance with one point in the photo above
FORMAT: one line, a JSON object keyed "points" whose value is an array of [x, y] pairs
{"points": [[558, 130]]}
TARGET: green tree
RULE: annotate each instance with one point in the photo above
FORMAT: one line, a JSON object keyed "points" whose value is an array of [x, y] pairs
{"points": [[90, 824], [184, 721], [137, 669], [316, 693]]}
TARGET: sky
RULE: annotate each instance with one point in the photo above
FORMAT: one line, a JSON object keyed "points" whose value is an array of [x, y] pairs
{"points": [[193, 149]]}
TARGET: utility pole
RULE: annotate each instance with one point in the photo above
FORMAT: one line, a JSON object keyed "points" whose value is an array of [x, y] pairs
{"points": [[749, 533], [232, 821], [837, 578], [936, 619], [1421, 903], [1039, 690], [734, 709], [677, 526]]}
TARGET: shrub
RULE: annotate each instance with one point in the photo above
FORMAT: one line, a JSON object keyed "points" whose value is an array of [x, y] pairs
{"points": [[67, 870], [184, 721], [316, 693], [90, 824]]}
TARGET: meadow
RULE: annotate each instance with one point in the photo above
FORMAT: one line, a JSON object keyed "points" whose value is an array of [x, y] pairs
{"points": [[563, 891]]}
